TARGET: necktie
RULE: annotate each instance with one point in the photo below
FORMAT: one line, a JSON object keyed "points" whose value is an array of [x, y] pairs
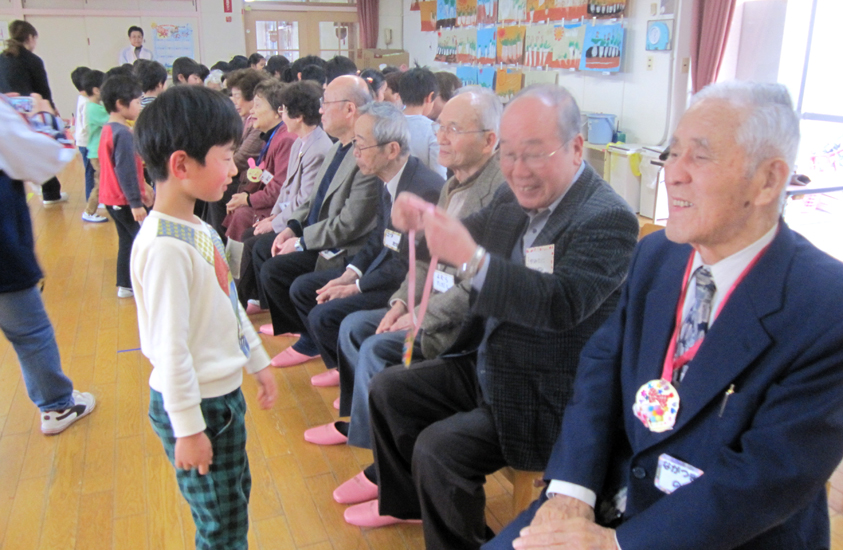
{"points": [[695, 324]]}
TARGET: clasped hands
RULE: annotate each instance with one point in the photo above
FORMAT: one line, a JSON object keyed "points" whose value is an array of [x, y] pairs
{"points": [[564, 522], [342, 287]]}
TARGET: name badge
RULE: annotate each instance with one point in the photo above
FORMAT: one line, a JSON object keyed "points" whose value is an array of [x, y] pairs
{"points": [[442, 282], [392, 239], [540, 258], [673, 474], [266, 177], [332, 253]]}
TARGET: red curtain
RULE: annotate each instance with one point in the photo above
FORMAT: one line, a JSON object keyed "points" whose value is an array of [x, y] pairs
{"points": [[367, 14], [709, 29]]}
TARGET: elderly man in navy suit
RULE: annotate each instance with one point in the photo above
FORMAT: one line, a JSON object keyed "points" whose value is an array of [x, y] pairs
{"points": [[708, 411]]}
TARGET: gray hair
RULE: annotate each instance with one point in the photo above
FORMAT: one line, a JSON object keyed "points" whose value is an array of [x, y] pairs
{"points": [[390, 124], [771, 126], [487, 107], [567, 111]]}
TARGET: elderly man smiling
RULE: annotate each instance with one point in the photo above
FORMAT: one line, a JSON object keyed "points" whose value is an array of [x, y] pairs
{"points": [[708, 410]]}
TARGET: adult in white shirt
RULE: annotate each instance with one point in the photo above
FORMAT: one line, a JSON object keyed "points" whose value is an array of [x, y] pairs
{"points": [[135, 50]]}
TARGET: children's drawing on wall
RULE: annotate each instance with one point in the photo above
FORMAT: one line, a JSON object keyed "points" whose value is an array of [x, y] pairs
{"points": [[539, 77], [512, 11], [538, 45], [446, 46], [557, 10], [446, 14], [171, 42], [537, 11], [469, 75], [602, 48], [567, 46], [511, 45], [606, 8], [486, 46], [508, 82], [427, 10], [466, 46], [466, 13], [659, 34], [487, 12], [414, 5], [486, 77]]}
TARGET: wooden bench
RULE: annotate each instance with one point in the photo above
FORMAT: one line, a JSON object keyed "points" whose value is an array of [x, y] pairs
{"points": [[526, 487]]}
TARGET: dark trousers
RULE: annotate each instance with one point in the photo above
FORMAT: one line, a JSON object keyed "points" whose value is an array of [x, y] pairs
{"points": [[276, 277], [248, 288], [435, 442], [322, 321], [127, 228], [51, 189], [89, 171]]}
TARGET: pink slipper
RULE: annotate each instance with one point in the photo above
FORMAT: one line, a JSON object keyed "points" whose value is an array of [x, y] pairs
{"points": [[366, 515], [267, 329], [356, 489], [290, 358], [254, 309], [337, 403], [327, 379], [327, 434]]}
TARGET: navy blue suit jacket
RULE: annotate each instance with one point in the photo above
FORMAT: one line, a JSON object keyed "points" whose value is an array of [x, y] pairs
{"points": [[779, 340]]}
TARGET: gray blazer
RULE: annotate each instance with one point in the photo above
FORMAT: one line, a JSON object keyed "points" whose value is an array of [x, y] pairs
{"points": [[348, 213], [446, 310], [306, 157]]}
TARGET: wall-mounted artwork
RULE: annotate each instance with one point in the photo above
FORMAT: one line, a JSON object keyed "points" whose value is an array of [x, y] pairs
{"points": [[659, 34], [486, 77], [602, 48], [466, 46], [414, 5], [537, 10], [446, 46], [427, 10], [511, 45], [569, 10], [538, 45], [468, 75], [567, 46], [512, 11], [539, 77], [508, 82], [446, 14], [487, 12], [606, 8], [466, 13], [486, 46]]}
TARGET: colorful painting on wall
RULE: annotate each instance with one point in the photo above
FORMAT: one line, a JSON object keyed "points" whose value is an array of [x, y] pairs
{"points": [[466, 46], [511, 45], [486, 77], [466, 13], [606, 8], [537, 10], [540, 77], [446, 46], [512, 11], [446, 14], [538, 45], [602, 48], [508, 82], [568, 10], [427, 10], [468, 75], [487, 12], [567, 46], [414, 5], [486, 46]]}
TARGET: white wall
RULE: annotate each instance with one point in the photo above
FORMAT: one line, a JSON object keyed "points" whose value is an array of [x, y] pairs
{"points": [[219, 39], [647, 102]]}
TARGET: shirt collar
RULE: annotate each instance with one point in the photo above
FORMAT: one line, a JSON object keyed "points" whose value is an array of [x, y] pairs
{"points": [[266, 135], [392, 185]]}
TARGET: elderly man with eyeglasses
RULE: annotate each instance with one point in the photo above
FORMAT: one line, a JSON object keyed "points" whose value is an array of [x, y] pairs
{"points": [[546, 260]]}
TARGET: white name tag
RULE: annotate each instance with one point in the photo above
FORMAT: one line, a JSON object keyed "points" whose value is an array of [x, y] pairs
{"points": [[392, 239], [673, 474], [442, 282], [540, 258], [333, 253], [266, 177]]}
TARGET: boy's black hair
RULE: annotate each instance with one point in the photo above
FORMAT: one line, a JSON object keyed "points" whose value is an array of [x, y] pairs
{"points": [[276, 64], [302, 62], [204, 72], [93, 79], [245, 80], [416, 84], [448, 84], [254, 59], [120, 70], [121, 87], [150, 73], [301, 99], [185, 67], [314, 73], [239, 62], [338, 66], [134, 28], [390, 69], [393, 81], [221, 66], [192, 119], [78, 77], [374, 78]]}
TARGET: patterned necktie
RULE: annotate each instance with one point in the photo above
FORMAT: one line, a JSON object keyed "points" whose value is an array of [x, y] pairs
{"points": [[695, 324]]}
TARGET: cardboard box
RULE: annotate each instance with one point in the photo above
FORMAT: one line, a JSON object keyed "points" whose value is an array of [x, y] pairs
{"points": [[374, 58]]}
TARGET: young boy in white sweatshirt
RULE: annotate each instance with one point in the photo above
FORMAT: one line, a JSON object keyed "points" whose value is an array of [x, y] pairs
{"points": [[192, 328]]}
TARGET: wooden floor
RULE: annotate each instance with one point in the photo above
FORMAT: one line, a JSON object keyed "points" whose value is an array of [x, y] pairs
{"points": [[105, 482]]}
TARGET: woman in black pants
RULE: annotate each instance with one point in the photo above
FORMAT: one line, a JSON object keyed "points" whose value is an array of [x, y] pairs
{"points": [[22, 72]]}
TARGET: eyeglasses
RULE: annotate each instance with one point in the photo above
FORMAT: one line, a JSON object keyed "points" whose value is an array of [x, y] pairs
{"points": [[534, 161], [358, 148], [322, 102], [451, 130]]}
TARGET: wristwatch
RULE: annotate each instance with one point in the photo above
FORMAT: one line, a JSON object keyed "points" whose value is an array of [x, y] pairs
{"points": [[298, 246], [470, 268]]}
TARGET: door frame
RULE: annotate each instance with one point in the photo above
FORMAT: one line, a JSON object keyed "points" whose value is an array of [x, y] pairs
{"points": [[308, 18]]}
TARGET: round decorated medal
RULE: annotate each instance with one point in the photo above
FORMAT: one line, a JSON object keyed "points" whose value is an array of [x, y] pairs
{"points": [[656, 405]]}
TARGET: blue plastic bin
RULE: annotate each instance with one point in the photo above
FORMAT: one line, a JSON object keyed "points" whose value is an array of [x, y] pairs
{"points": [[601, 128]]}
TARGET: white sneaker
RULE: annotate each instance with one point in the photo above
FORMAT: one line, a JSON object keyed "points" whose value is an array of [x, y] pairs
{"points": [[101, 206], [123, 292], [63, 198], [93, 218], [53, 422]]}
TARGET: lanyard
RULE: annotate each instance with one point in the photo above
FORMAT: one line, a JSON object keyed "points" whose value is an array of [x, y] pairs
{"points": [[672, 363], [407, 354], [266, 145]]}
